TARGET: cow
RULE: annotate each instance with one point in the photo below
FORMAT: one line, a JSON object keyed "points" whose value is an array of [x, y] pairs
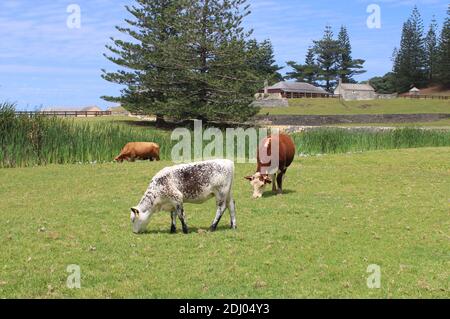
{"points": [[265, 174], [187, 183], [139, 150]]}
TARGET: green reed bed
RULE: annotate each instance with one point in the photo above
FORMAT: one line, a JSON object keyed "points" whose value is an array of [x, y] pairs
{"points": [[333, 141]]}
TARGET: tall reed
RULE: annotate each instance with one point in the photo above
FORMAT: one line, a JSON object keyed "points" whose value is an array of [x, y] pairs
{"points": [[341, 140]]}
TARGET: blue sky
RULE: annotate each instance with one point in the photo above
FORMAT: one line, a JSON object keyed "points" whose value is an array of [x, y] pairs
{"points": [[45, 63]]}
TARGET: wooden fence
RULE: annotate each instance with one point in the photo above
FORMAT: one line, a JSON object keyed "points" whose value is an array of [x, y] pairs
{"points": [[427, 97], [65, 113]]}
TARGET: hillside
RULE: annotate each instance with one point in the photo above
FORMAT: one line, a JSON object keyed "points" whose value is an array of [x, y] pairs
{"points": [[435, 90], [338, 107]]}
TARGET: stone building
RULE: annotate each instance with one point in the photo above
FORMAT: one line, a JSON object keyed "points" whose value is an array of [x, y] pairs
{"points": [[350, 91]]}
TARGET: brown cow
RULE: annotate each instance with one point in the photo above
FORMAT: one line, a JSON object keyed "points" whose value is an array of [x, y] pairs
{"points": [[139, 150], [286, 156]]}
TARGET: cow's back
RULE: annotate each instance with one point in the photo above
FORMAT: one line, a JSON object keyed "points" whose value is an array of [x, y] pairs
{"points": [[141, 148]]}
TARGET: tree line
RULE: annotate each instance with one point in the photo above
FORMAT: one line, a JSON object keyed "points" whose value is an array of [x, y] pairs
{"points": [[327, 60], [423, 58], [190, 59]]}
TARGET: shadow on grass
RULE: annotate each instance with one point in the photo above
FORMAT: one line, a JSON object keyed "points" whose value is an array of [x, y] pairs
{"points": [[271, 194], [192, 230]]}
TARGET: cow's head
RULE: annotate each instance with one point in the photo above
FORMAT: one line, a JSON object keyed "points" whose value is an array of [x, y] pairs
{"points": [[119, 159], [139, 220], [258, 182]]}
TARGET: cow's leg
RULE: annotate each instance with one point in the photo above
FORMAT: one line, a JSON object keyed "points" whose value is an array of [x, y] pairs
{"points": [[232, 207], [221, 207], [274, 185], [173, 228], [280, 181], [182, 217]]}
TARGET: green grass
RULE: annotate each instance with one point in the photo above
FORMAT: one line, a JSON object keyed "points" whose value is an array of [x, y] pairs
{"points": [[340, 214], [336, 107]]}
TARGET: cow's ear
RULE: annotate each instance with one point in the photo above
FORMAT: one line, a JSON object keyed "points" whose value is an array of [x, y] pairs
{"points": [[135, 211], [250, 178]]}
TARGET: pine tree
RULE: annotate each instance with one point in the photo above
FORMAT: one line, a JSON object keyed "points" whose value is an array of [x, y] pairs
{"points": [[304, 72], [188, 59], [431, 51], [210, 57], [409, 67], [262, 60], [347, 67], [141, 61], [444, 53], [326, 51]]}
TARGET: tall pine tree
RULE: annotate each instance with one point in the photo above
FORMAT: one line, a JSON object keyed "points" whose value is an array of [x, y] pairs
{"points": [[444, 53], [188, 59], [431, 51], [216, 82], [143, 70], [304, 72], [262, 60], [410, 62], [346, 66], [326, 51]]}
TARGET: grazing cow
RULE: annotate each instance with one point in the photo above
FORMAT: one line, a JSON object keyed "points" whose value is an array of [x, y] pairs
{"points": [[139, 150], [286, 156], [187, 183]]}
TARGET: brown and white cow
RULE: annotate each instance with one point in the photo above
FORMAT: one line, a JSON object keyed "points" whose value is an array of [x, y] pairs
{"points": [[187, 183], [271, 167], [140, 151]]}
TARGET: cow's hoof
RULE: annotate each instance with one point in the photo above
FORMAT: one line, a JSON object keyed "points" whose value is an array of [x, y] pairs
{"points": [[234, 227], [280, 192], [185, 231], [173, 230], [212, 229]]}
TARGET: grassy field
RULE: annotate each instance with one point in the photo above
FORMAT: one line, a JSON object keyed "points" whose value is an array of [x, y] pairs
{"points": [[337, 107], [340, 214]]}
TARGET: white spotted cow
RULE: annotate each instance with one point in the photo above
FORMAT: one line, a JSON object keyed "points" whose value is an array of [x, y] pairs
{"points": [[187, 183]]}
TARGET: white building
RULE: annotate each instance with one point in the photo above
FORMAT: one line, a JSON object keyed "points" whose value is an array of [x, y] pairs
{"points": [[350, 91]]}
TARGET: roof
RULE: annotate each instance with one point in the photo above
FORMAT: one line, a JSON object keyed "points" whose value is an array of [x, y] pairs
{"points": [[297, 87], [356, 87], [72, 109], [414, 89], [117, 109]]}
